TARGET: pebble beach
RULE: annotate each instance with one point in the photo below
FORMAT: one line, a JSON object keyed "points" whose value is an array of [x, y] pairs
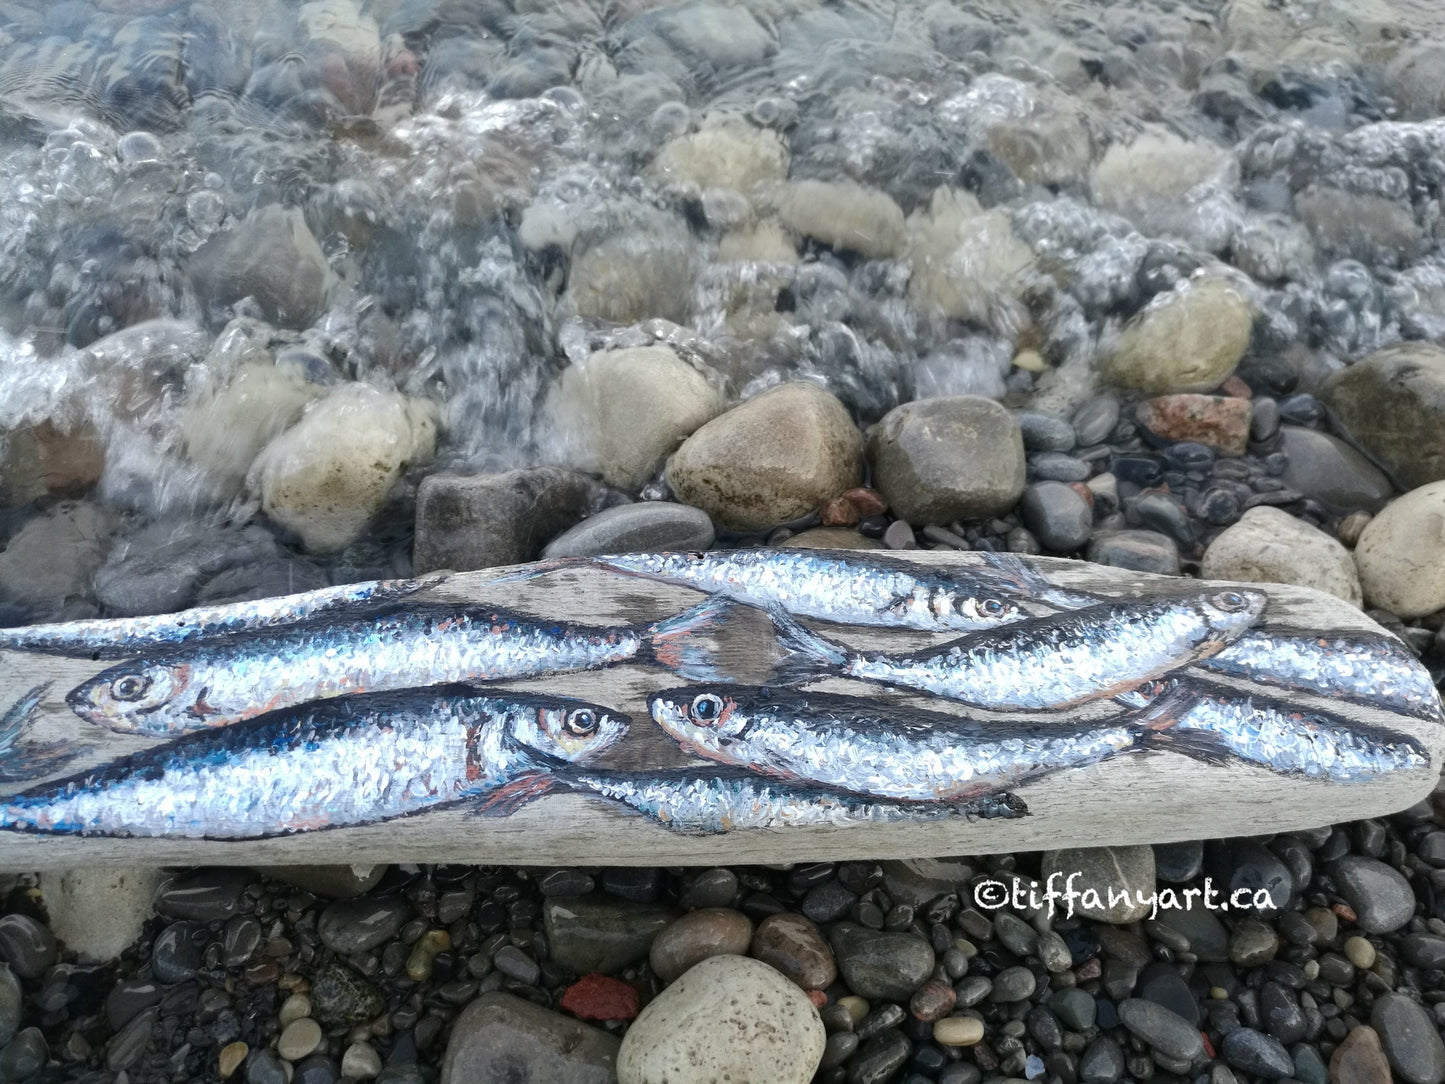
{"points": [[301, 295]]}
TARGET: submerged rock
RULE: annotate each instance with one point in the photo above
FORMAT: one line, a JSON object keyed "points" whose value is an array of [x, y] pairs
{"points": [[270, 256], [1188, 339], [1393, 403]]}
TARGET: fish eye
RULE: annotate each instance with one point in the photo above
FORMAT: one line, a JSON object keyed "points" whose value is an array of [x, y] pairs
{"points": [[707, 708], [993, 607], [1231, 601], [581, 722], [130, 687]]}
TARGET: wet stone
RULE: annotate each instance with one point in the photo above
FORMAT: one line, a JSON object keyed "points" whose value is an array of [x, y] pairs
{"points": [[879, 1059], [340, 997], [640, 884], [26, 945], [1360, 1059], [1162, 985], [1166, 1032], [1424, 950], [359, 925], [827, 902], [649, 526], [1113, 879], [710, 888], [300, 1038], [1102, 1062], [794, 946], [10, 1004], [516, 964], [1381, 899], [131, 1041], [318, 1069], [176, 954], [566, 882], [587, 934], [1283, 1017], [1075, 1009], [1256, 1053], [1057, 516], [24, 1056], [127, 998], [1410, 1039], [1095, 419], [263, 1067], [1309, 1066], [205, 895], [240, 940], [1140, 551], [1057, 467], [1177, 863], [886, 965], [1045, 433], [1013, 984]]}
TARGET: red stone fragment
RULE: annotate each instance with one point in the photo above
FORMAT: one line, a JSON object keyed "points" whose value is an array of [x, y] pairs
{"points": [[839, 513], [1345, 911], [1216, 421], [596, 997], [818, 998], [932, 1001], [1208, 1046], [1235, 388], [1089, 969], [869, 502]]}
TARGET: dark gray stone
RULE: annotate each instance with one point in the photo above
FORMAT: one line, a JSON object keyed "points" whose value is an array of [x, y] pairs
{"points": [[879, 1059], [1244, 864], [270, 256], [1164, 513], [1410, 1039], [1425, 950], [1207, 937], [877, 964], [1177, 863], [263, 1067], [129, 997], [1141, 551], [160, 569], [1075, 1008], [351, 926], [26, 945], [1013, 984], [11, 998], [487, 520], [500, 1037], [710, 888], [1330, 471], [340, 997], [567, 882], [1393, 403], [332, 882], [1309, 1066], [240, 940], [1102, 1062], [1045, 433], [1162, 985], [24, 1056], [649, 526], [176, 952], [516, 964], [131, 1041], [586, 934], [1381, 898], [1058, 516], [205, 895], [1257, 1053], [1057, 467], [1283, 1017], [1166, 1032]]}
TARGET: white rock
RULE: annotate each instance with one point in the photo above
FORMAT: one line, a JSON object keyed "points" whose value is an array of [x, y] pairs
{"points": [[98, 913], [730, 1018], [967, 262], [1167, 185], [225, 430], [1188, 339], [328, 475], [1401, 553], [1268, 545], [639, 274], [845, 215], [730, 154], [624, 411], [767, 242]]}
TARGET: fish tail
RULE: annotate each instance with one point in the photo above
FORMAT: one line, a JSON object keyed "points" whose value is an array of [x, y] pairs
{"points": [[532, 571], [670, 643], [517, 792], [31, 759], [1018, 574], [810, 656]]}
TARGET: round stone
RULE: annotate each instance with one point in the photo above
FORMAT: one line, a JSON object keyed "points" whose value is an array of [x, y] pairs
{"points": [[348, 927], [1166, 1032], [1268, 545], [793, 945], [300, 1037], [1360, 1059], [771, 459], [1218, 422], [877, 964], [1187, 339], [940, 460], [696, 936], [1114, 883], [230, 1058], [360, 1062], [648, 526], [1410, 1039], [1393, 403], [1140, 551], [1059, 517], [958, 1031], [1360, 952], [1381, 898], [1401, 554], [26, 945], [1257, 1053], [728, 1018]]}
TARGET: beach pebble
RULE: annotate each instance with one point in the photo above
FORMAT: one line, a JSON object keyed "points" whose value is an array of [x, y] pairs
{"points": [[1410, 1039], [1102, 1061], [696, 936], [327, 476], [225, 428], [1268, 545], [10, 1004], [844, 215], [967, 262], [1329, 470], [52, 557], [1393, 403], [299, 1038], [1401, 554], [1360, 1059], [728, 1018], [958, 1031], [1256, 1053], [586, 934], [831, 538], [648, 526], [1128, 871], [1141, 551], [26, 945], [770, 459], [940, 460], [1381, 898], [500, 1036], [1218, 422], [794, 946], [1166, 1032], [877, 964], [728, 154], [330, 882], [1187, 339], [622, 412], [358, 925], [467, 522], [597, 997], [340, 997], [644, 271], [271, 256], [1057, 515], [361, 1062]]}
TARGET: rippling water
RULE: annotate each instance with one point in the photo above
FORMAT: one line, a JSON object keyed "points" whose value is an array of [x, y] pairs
{"points": [[458, 200]]}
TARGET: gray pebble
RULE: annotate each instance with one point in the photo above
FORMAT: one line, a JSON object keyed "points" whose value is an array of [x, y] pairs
{"points": [[1166, 1032], [24, 1056], [1095, 419], [263, 1067], [353, 926], [1140, 551], [877, 964], [1380, 897], [176, 952], [880, 1058], [1075, 1009], [648, 526], [205, 895], [1410, 1039], [26, 945], [1102, 1062], [513, 962], [899, 536], [1057, 467], [1045, 433], [1013, 984], [1257, 1054], [1057, 516]]}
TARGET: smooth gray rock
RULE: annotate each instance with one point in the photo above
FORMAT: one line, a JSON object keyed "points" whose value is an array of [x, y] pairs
{"points": [[1393, 403], [357, 925], [160, 569], [333, 882], [1095, 419], [24, 1056], [1178, 863], [1102, 1061], [588, 934], [1410, 1039], [1127, 872], [1057, 515], [467, 522], [271, 256], [646, 527], [1045, 433], [10, 1004], [1166, 1032], [26, 945], [1330, 471], [878, 964], [1381, 898], [203, 894], [1257, 1053], [1141, 551]]}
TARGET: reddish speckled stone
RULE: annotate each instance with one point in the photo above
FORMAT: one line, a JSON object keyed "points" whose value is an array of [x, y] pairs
{"points": [[596, 997]]}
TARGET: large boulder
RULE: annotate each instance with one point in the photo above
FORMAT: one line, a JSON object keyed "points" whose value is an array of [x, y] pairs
{"points": [[1393, 403], [771, 459], [328, 475], [941, 460]]}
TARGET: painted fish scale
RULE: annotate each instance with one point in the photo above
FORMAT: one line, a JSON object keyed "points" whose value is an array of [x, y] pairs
{"points": [[1066, 660]]}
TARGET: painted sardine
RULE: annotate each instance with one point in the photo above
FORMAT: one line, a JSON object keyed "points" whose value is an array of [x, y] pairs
{"points": [[855, 744], [214, 684], [850, 589], [117, 637], [354, 760], [702, 803], [1050, 662], [1213, 722], [1378, 671], [28, 760]]}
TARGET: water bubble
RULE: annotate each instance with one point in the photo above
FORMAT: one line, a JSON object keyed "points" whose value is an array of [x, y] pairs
{"points": [[137, 148], [669, 120]]}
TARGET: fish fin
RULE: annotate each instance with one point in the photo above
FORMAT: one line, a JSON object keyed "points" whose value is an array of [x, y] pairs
{"points": [[810, 656], [669, 642], [1195, 744], [536, 569], [1017, 573], [32, 759], [1146, 694], [515, 793]]}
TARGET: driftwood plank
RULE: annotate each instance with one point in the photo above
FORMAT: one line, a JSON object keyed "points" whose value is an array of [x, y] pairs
{"points": [[1181, 786]]}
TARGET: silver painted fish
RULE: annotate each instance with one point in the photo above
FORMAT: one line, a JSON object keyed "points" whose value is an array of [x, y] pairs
{"points": [[355, 760], [28, 760], [1051, 662], [698, 803], [117, 637], [1377, 671], [855, 744], [849, 589], [1213, 722], [217, 683]]}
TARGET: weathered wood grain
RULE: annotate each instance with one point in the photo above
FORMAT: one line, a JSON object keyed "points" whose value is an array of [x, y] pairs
{"points": [[1154, 797]]}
